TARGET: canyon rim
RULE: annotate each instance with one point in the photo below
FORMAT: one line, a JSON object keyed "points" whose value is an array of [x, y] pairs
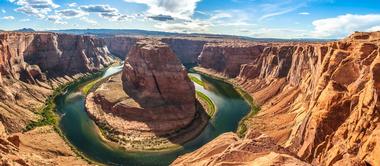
{"points": [[190, 83]]}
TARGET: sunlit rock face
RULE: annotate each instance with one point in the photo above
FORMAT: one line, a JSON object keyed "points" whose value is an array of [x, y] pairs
{"points": [[152, 100], [322, 99], [31, 66], [153, 75]]}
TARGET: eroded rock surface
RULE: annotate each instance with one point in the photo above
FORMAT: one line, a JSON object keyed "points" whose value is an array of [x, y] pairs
{"points": [[151, 104], [318, 100], [33, 64], [186, 49], [41, 146]]}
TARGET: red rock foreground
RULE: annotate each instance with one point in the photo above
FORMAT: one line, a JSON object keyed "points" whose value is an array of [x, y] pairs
{"points": [[151, 104], [319, 101], [31, 66]]}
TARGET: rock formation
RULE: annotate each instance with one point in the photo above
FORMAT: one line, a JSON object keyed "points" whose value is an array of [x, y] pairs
{"points": [[322, 99], [41, 146], [186, 49], [151, 104], [33, 64], [228, 149], [120, 45]]}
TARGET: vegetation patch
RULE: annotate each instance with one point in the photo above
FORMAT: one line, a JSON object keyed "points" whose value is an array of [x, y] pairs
{"points": [[47, 112], [211, 106], [196, 80], [86, 88], [255, 108], [242, 129]]}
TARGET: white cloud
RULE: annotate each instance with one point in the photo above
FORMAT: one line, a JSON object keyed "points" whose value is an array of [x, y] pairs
{"points": [[87, 20], [278, 33], [174, 8], [304, 13], [25, 20], [105, 11], [38, 8], [278, 13], [374, 28], [3, 11], [344, 25], [71, 13], [8, 18], [56, 19], [185, 27], [72, 4], [221, 15], [230, 18]]}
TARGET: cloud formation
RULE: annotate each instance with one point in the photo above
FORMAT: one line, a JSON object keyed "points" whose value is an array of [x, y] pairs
{"points": [[161, 17], [343, 25], [105, 11], [71, 13], [174, 8], [38, 8], [304, 13], [8, 18], [185, 27]]}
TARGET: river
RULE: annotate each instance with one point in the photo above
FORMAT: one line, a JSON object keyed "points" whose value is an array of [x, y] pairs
{"points": [[83, 134]]}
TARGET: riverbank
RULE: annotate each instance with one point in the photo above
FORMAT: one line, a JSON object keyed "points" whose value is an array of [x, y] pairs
{"points": [[49, 116], [136, 140], [254, 108]]}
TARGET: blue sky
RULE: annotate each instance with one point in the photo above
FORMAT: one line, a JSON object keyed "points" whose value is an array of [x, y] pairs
{"points": [[254, 18]]}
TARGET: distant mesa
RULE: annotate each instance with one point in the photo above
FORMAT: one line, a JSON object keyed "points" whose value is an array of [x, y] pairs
{"points": [[25, 30]]}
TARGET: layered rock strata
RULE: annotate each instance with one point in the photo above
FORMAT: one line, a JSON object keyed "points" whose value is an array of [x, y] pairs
{"points": [[151, 104], [322, 99], [33, 64], [186, 49]]}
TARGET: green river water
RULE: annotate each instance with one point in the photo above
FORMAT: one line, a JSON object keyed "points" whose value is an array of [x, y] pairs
{"points": [[82, 133]]}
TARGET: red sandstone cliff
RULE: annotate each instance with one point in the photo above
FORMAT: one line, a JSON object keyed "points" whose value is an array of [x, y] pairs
{"points": [[151, 104], [186, 49], [32, 64], [318, 100]]}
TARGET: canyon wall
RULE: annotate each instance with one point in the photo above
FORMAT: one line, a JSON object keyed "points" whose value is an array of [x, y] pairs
{"points": [[33, 64], [186, 49], [320, 101], [151, 104]]}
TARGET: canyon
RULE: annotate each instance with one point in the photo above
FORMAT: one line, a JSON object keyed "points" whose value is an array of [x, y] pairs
{"points": [[186, 49], [319, 102], [151, 104], [32, 65]]}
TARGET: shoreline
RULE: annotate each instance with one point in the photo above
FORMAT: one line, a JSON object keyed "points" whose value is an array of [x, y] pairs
{"points": [[50, 108], [254, 108], [190, 132]]}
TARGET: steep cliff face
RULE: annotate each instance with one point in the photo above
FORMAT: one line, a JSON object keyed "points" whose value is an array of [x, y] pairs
{"points": [[32, 64], [153, 75], [151, 104], [120, 45], [186, 49], [321, 98]]}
